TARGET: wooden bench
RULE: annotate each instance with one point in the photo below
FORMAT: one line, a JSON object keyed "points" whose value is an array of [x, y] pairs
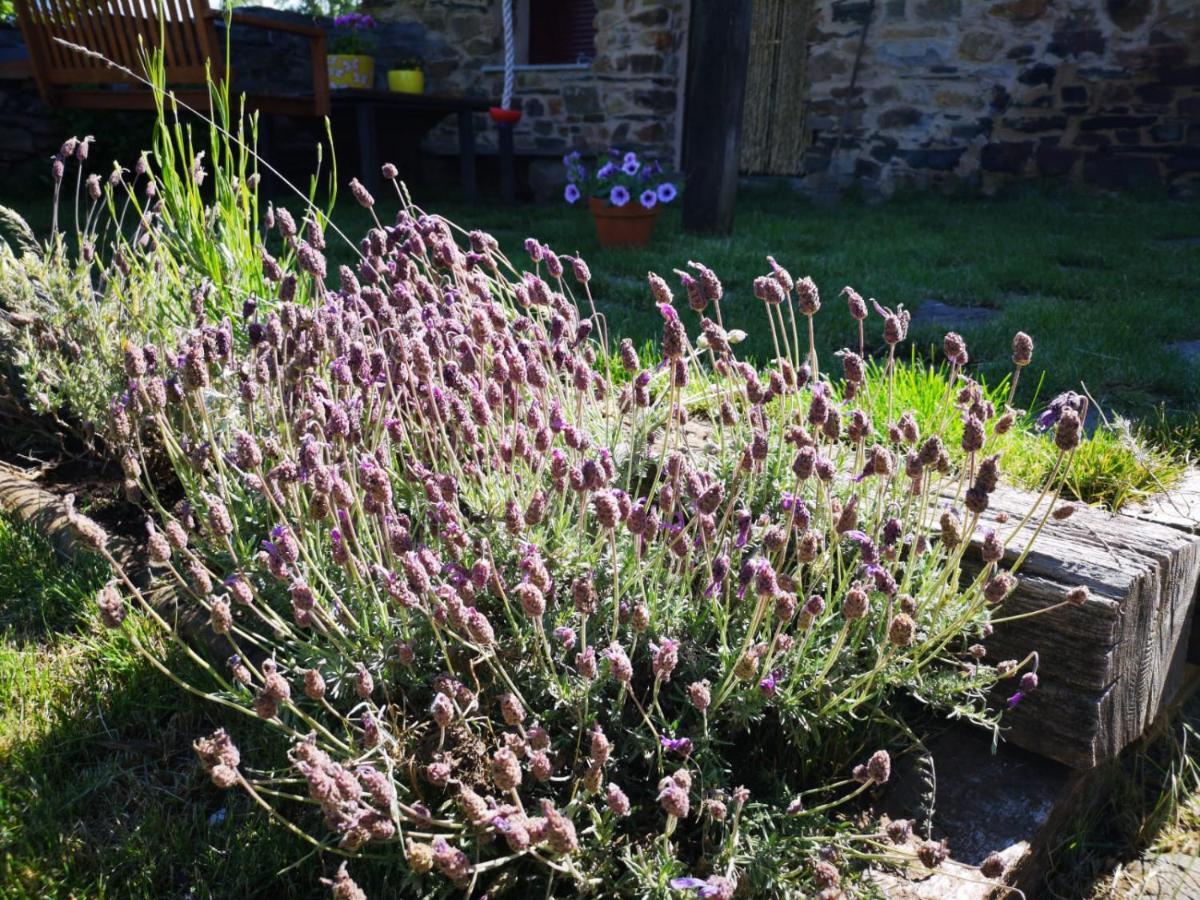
{"points": [[120, 31], [409, 117]]}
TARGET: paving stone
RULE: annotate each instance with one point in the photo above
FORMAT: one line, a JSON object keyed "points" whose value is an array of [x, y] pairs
{"points": [[1189, 350], [1173, 875], [935, 314]]}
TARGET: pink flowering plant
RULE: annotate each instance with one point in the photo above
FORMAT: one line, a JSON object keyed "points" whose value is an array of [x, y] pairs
{"points": [[619, 178], [523, 604]]}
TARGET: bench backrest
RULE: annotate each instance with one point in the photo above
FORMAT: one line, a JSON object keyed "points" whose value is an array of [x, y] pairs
{"points": [[118, 30]]}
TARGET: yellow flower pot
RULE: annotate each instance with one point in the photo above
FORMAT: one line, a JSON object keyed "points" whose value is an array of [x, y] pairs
{"points": [[406, 81], [348, 70]]}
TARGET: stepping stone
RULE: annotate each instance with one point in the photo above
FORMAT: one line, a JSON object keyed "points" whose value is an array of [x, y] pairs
{"points": [[1189, 350], [1172, 875], [1011, 802], [935, 314]]}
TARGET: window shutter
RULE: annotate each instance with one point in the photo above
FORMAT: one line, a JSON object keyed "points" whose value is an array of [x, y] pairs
{"points": [[561, 31]]}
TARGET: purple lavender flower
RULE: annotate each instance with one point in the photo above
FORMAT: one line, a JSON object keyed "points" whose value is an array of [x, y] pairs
{"points": [[682, 746], [667, 192], [1067, 400], [619, 195], [715, 888], [571, 194], [648, 199], [770, 685]]}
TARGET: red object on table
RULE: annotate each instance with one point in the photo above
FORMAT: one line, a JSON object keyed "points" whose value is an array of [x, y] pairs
{"points": [[503, 116]]}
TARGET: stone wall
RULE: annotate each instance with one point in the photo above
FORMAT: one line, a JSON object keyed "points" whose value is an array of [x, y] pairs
{"points": [[627, 96], [1104, 93], [1100, 92]]}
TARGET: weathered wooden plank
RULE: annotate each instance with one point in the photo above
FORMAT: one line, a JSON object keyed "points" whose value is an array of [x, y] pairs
{"points": [[1106, 668], [1178, 508]]}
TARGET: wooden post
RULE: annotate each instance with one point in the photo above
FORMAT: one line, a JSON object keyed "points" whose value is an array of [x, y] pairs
{"points": [[466, 154], [508, 176], [718, 56]]}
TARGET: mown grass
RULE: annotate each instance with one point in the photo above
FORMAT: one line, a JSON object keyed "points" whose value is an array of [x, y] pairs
{"points": [[1104, 284], [100, 794]]}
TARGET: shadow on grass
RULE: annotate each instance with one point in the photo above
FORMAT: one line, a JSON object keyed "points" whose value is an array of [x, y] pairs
{"points": [[100, 791]]}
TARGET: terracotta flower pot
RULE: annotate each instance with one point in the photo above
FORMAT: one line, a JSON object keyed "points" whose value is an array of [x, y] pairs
{"points": [[351, 70], [630, 225]]}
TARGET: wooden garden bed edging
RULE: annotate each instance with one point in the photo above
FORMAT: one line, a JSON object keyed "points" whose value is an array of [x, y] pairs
{"points": [[1109, 667]]}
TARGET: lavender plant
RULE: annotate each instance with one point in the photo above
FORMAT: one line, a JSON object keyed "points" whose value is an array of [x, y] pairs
{"points": [[516, 615], [143, 251]]}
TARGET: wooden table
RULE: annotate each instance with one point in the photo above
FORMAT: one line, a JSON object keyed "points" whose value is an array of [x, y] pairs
{"points": [[407, 118]]}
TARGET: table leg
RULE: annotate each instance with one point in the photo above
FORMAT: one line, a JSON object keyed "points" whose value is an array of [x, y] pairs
{"points": [[466, 154], [368, 147], [508, 178]]}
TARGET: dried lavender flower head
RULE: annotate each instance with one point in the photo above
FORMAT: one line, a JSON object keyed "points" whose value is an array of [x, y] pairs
{"points": [[808, 298], [993, 866], [855, 302], [955, 348], [1022, 349], [361, 194]]}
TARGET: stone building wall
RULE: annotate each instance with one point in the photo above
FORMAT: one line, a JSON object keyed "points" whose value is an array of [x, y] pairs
{"points": [[1101, 92], [627, 96], [1104, 93]]}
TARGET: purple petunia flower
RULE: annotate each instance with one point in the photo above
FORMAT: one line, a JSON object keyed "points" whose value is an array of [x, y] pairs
{"points": [[571, 194], [667, 192], [630, 159], [606, 171], [630, 166], [648, 199], [619, 195]]}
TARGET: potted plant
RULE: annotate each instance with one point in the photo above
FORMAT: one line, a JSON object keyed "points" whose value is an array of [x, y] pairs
{"points": [[408, 77], [350, 63], [625, 195]]}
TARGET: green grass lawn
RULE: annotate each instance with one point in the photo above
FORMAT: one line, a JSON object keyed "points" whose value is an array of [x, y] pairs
{"points": [[1103, 284], [99, 792]]}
